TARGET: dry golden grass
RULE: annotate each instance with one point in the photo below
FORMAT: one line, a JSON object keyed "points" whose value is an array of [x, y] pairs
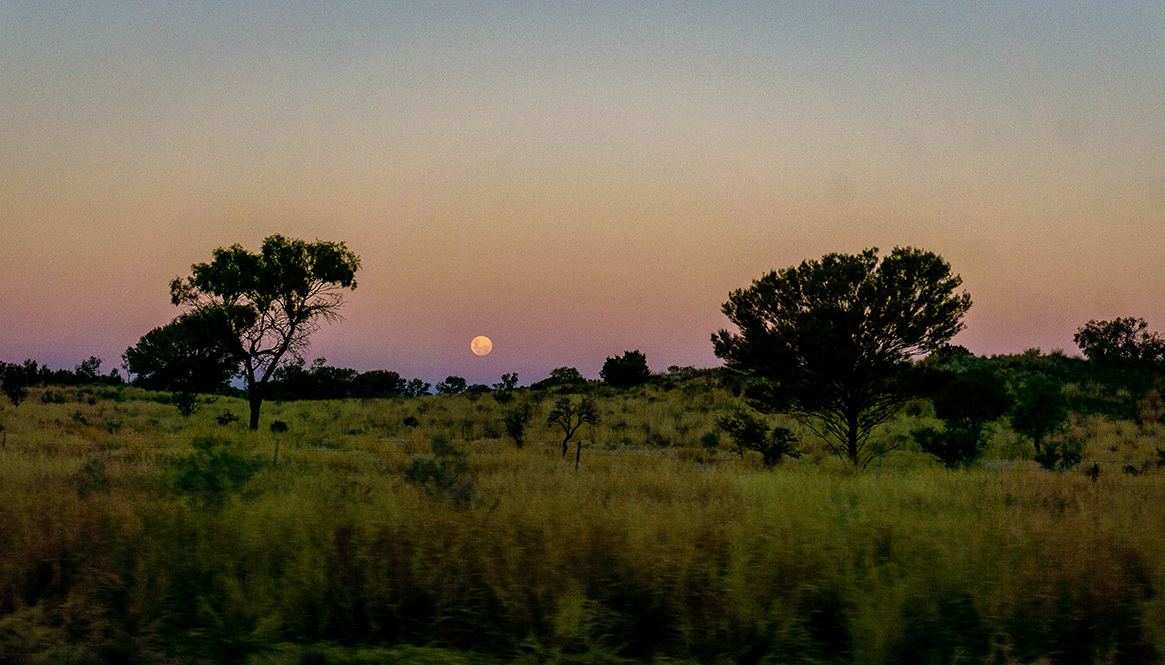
{"points": [[646, 552]]}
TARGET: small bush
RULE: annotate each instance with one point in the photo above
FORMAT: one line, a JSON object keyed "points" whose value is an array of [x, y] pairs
{"points": [[710, 440], [515, 422], [215, 468], [444, 474], [748, 432], [1061, 454]]}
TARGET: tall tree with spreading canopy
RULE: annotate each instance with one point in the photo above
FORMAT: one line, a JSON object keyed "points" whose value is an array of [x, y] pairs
{"points": [[274, 299], [830, 341]]}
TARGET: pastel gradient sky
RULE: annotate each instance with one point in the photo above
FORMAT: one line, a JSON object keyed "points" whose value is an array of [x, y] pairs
{"points": [[575, 179]]}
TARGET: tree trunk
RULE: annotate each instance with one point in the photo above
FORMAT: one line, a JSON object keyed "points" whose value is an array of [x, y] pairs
{"points": [[255, 397], [852, 440], [577, 454]]}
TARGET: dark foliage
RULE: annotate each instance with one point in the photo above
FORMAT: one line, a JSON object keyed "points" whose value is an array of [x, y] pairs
{"points": [[509, 382], [1040, 408], [292, 382], [966, 402], [1122, 342], [1061, 454], [750, 432], [561, 376], [831, 340], [215, 468], [444, 474], [627, 370], [416, 388], [15, 380], [196, 353], [515, 421], [378, 384], [274, 300], [451, 386]]}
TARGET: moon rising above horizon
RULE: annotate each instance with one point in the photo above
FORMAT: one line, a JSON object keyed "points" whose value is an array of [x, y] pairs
{"points": [[481, 345]]}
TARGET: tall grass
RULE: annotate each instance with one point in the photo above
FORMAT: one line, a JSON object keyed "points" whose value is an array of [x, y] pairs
{"points": [[334, 555]]}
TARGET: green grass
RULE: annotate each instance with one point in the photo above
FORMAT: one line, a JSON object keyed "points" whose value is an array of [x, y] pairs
{"points": [[645, 554]]}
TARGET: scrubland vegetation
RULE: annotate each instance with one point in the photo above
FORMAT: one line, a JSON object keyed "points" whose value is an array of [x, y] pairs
{"points": [[849, 488], [414, 530]]}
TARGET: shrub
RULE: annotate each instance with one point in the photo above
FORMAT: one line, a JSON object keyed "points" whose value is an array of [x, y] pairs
{"points": [[215, 468], [1040, 409], [515, 422], [1061, 454], [444, 474], [749, 432], [627, 370]]}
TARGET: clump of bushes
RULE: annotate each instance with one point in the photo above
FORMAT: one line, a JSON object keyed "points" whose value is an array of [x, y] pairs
{"points": [[751, 432]]}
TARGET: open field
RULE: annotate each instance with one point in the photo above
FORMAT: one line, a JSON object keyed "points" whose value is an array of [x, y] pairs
{"points": [[130, 534]]}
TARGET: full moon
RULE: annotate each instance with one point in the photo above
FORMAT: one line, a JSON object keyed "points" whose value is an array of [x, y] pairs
{"points": [[481, 345]]}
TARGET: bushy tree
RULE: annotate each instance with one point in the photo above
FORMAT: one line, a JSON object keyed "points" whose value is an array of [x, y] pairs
{"points": [[751, 432], [1040, 409], [378, 383], [515, 421], [1122, 342], [274, 299], [321, 381], [509, 382], [967, 401], [627, 370], [831, 341], [561, 376], [451, 386], [195, 354], [416, 388], [15, 380], [569, 416]]}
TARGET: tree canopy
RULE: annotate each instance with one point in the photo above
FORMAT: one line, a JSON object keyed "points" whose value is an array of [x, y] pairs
{"points": [[195, 353], [830, 341], [274, 299], [1122, 342], [627, 370]]}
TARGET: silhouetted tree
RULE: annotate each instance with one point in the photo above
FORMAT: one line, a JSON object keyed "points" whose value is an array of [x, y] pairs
{"points": [[321, 381], [196, 353], [966, 403], [274, 300], [568, 416], [561, 376], [627, 370], [1122, 342], [830, 341], [508, 382], [378, 383], [17, 379], [451, 386], [1040, 409], [416, 388], [515, 421]]}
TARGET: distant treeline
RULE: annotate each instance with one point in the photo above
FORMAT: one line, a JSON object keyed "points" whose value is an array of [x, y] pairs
{"points": [[296, 380], [1123, 362]]}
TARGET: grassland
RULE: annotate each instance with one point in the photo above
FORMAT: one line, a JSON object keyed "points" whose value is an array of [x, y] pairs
{"points": [[130, 534]]}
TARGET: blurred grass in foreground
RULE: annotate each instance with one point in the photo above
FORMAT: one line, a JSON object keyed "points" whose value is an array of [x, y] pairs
{"points": [[109, 552]]}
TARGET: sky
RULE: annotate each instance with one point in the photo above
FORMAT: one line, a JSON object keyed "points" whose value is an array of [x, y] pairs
{"points": [[575, 180]]}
